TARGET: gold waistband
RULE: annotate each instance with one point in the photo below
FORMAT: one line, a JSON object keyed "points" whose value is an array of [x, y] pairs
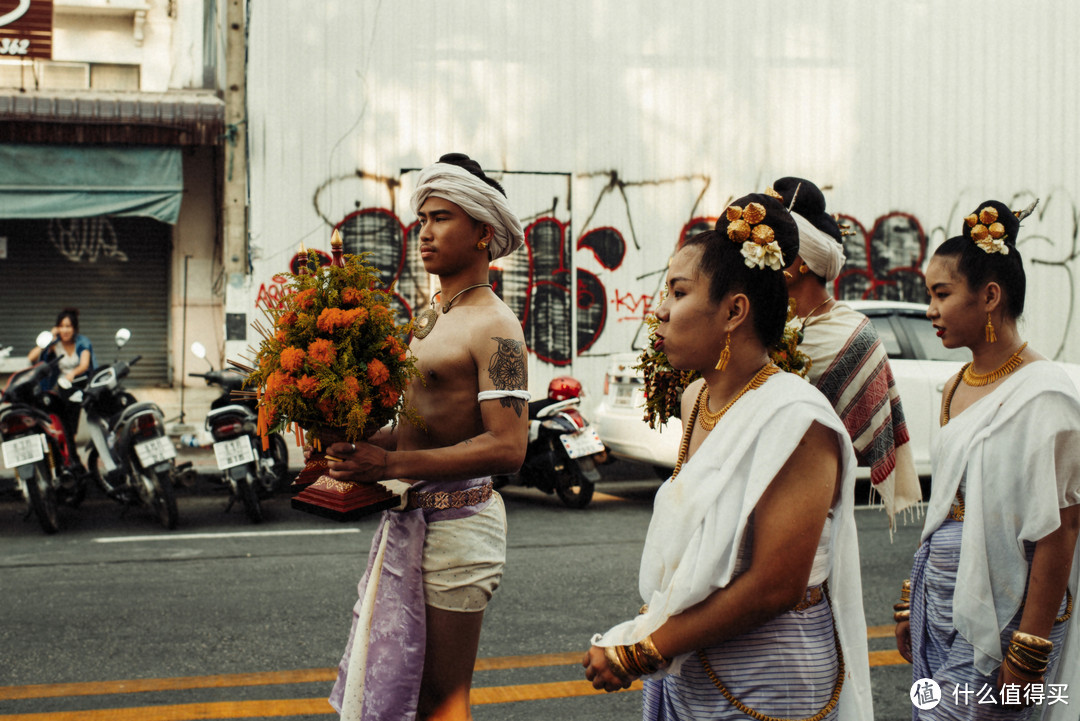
{"points": [[813, 597], [443, 500]]}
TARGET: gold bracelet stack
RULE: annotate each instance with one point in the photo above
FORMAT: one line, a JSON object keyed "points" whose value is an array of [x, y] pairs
{"points": [[639, 659], [1028, 656], [902, 610]]}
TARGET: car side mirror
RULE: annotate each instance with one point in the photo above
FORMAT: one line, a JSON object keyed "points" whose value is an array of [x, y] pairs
{"points": [[122, 337]]}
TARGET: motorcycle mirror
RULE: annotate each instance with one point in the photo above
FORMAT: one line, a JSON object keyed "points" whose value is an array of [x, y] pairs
{"points": [[198, 350], [44, 339], [122, 337], [63, 382]]}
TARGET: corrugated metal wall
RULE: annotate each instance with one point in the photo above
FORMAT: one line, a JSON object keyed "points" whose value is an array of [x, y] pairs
{"points": [[910, 112]]}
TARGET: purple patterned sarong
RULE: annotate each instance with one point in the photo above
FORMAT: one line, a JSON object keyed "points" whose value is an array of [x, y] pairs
{"points": [[383, 682]]}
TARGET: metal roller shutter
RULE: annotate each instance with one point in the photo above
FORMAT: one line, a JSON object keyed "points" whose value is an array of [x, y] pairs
{"points": [[114, 270]]}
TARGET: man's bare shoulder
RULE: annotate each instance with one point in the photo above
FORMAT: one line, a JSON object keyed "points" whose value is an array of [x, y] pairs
{"points": [[494, 320]]}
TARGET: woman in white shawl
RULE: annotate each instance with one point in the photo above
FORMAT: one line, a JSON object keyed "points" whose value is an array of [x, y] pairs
{"points": [[750, 568], [989, 618]]}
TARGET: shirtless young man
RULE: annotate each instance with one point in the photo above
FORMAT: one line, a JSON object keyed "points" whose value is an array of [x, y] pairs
{"points": [[437, 562]]}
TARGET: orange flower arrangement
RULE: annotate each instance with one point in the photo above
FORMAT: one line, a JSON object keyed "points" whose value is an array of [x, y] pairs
{"points": [[334, 359]]}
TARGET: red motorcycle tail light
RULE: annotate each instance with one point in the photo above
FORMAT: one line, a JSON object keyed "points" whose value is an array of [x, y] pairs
{"points": [[229, 429], [145, 425], [563, 387], [15, 423], [576, 418]]}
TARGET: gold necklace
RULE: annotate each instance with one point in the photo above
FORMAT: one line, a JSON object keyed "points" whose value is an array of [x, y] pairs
{"points": [[972, 378], [425, 322], [703, 400], [707, 418]]}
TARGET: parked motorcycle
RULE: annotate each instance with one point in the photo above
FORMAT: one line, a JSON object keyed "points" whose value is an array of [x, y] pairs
{"points": [[563, 449], [131, 457], [251, 472], [37, 446]]}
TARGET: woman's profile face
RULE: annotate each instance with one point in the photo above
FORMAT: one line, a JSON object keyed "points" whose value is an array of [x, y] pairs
{"points": [[955, 310], [67, 330], [688, 317]]}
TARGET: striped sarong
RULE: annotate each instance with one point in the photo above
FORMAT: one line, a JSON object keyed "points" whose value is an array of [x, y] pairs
{"points": [[786, 668], [942, 654]]}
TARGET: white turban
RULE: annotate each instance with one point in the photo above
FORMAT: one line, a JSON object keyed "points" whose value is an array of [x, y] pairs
{"points": [[820, 251], [481, 201]]}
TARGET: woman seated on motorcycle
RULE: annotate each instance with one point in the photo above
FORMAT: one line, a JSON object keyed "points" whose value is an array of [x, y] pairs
{"points": [[76, 355], [750, 569]]}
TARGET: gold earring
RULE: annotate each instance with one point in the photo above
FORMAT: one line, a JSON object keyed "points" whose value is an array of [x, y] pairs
{"points": [[788, 275], [725, 355], [804, 269], [482, 245], [991, 336]]}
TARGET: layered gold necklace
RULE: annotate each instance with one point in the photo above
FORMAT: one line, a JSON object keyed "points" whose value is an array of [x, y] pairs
{"points": [[708, 419], [972, 378]]}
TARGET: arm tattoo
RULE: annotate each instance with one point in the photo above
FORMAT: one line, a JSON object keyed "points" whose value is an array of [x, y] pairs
{"points": [[507, 370]]}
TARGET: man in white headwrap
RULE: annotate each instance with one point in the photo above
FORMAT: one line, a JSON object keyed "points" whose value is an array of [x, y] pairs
{"points": [[435, 561], [848, 360]]}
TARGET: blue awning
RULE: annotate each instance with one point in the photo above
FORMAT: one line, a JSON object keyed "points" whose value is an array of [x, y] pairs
{"points": [[63, 181]]}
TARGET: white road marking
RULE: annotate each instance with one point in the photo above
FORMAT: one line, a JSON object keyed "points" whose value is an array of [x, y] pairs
{"points": [[233, 534]]}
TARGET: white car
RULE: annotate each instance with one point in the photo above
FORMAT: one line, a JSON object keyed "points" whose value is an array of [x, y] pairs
{"points": [[920, 365]]}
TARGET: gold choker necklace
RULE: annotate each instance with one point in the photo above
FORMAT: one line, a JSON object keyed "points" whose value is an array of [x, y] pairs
{"points": [[972, 378], [708, 419]]}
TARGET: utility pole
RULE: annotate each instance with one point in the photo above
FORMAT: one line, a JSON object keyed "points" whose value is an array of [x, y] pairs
{"points": [[234, 202]]}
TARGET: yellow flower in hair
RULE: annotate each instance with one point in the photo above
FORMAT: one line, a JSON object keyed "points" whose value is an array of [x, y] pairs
{"points": [[987, 233]]}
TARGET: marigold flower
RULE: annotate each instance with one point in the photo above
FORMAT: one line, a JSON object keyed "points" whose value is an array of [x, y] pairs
{"points": [[307, 386], [388, 396], [287, 319], [329, 320], [292, 359], [377, 372], [279, 336], [305, 298], [322, 351], [351, 296]]}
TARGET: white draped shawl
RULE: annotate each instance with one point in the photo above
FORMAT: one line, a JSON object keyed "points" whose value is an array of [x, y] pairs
{"points": [[1019, 448], [700, 517]]}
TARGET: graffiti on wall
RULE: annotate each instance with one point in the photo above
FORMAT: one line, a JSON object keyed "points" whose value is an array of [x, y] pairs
{"points": [[85, 239], [884, 262]]}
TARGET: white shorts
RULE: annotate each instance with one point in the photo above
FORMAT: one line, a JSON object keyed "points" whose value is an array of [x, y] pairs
{"points": [[464, 559]]}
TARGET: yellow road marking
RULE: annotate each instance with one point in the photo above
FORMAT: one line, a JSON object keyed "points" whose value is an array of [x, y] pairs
{"points": [[301, 706]]}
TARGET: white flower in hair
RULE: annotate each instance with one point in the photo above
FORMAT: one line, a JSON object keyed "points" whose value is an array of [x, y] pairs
{"points": [[993, 245], [763, 256]]}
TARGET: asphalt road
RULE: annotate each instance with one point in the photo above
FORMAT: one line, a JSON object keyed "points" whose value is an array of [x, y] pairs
{"points": [[115, 617]]}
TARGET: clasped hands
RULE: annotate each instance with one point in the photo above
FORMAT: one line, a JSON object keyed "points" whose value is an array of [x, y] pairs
{"points": [[601, 672]]}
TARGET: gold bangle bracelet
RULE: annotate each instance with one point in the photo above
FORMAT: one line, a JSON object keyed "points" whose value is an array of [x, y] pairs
{"points": [[612, 656], [1032, 642], [901, 606], [649, 650], [900, 616], [1023, 674]]}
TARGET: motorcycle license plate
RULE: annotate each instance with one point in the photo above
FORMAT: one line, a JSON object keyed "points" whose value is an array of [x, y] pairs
{"points": [[20, 451], [235, 452], [582, 443], [154, 451]]}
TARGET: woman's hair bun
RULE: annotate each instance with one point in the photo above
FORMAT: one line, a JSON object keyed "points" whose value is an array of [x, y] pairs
{"points": [[809, 203], [992, 220], [775, 217]]}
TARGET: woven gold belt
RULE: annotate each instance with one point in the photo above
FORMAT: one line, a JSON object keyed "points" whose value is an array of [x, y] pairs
{"points": [[442, 500], [814, 596]]}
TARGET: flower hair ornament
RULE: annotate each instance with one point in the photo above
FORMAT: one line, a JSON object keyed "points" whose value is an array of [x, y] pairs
{"points": [[759, 246], [987, 232]]}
